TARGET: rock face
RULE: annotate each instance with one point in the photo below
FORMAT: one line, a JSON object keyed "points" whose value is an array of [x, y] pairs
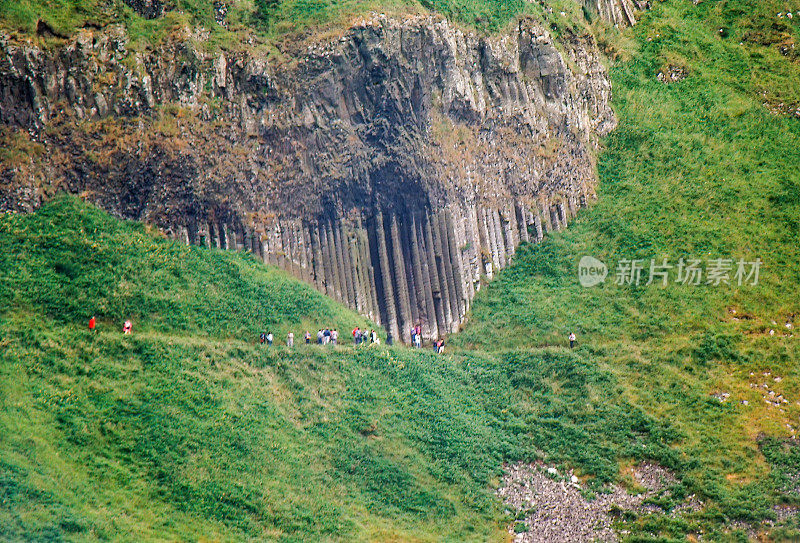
{"points": [[149, 9], [391, 166], [617, 12]]}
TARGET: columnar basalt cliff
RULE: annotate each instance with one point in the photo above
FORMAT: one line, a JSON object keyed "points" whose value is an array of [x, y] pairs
{"points": [[392, 167]]}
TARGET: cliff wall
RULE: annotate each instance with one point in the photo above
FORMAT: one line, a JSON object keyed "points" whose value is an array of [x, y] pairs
{"points": [[392, 165]]}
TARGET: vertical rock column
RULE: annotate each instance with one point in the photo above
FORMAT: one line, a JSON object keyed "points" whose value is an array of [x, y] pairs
{"points": [[335, 263], [440, 301], [500, 240], [345, 264], [319, 270], [308, 257], [522, 221], [465, 244], [331, 282], [383, 276], [509, 232], [401, 284], [454, 269], [416, 302], [356, 264], [537, 225], [366, 272], [441, 253], [423, 281]]}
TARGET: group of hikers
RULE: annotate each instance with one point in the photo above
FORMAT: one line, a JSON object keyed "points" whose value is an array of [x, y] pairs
{"points": [[326, 336], [416, 340], [127, 326], [361, 336], [330, 336]]}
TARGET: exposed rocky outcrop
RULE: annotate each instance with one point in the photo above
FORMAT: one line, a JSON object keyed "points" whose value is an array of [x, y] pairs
{"points": [[617, 12], [149, 9], [391, 166]]}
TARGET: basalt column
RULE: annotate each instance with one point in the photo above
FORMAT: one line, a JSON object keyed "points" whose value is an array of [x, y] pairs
{"points": [[318, 259], [423, 281], [345, 264], [367, 271], [413, 279], [383, 275], [401, 284], [359, 281], [440, 301], [452, 265], [445, 278], [537, 225], [372, 265], [334, 264], [308, 257], [522, 221], [501, 242], [484, 248]]}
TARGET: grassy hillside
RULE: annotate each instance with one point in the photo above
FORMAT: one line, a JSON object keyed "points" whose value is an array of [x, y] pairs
{"points": [[705, 167], [189, 429], [70, 261]]}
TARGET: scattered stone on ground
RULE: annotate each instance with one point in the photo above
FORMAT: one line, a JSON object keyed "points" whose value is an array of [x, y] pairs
{"points": [[555, 509], [782, 514], [672, 74], [721, 396], [772, 398]]}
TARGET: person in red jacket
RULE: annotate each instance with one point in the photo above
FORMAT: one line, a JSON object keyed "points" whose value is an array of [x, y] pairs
{"points": [[92, 324]]}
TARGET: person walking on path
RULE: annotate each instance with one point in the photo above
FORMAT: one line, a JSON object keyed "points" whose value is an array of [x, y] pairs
{"points": [[127, 328], [308, 337], [572, 340], [262, 338], [334, 336], [270, 338], [290, 340], [92, 324]]}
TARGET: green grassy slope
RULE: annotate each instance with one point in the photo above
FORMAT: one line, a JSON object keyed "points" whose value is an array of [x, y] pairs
{"points": [[69, 261], [188, 429], [699, 168]]}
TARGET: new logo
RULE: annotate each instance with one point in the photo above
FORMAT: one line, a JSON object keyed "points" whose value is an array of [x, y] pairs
{"points": [[591, 271]]}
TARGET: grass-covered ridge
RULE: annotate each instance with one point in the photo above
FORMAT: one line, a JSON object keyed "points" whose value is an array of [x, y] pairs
{"points": [[190, 429]]}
